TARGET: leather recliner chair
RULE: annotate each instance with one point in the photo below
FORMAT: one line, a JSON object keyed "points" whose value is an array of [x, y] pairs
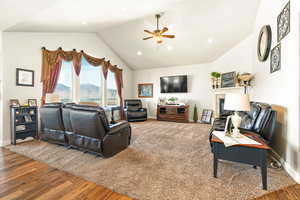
{"points": [[92, 132], [134, 110], [85, 128], [52, 124], [261, 119]]}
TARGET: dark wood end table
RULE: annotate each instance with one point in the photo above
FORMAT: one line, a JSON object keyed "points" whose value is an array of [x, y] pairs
{"points": [[255, 155]]}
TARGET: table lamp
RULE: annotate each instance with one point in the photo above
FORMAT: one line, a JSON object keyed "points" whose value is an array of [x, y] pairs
{"points": [[236, 102]]}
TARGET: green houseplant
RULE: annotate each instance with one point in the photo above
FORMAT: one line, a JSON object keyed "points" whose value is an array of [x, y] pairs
{"points": [[215, 77], [172, 100]]}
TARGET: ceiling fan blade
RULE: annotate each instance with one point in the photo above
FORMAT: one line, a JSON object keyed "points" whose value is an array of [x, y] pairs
{"points": [[168, 36], [149, 32], [147, 38], [165, 29]]}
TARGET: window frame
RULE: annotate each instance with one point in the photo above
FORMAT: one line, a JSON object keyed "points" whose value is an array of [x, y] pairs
{"points": [[75, 95]]}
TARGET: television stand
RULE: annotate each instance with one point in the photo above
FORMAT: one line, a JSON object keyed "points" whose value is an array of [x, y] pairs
{"points": [[173, 113]]}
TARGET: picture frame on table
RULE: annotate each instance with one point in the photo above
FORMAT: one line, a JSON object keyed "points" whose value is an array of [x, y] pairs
{"points": [[32, 102], [14, 103], [228, 79], [24, 77], [27, 118], [145, 90]]}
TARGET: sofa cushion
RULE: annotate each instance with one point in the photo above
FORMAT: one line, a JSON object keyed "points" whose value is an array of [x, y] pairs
{"points": [[249, 118], [136, 114], [51, 116], [262, 117]]}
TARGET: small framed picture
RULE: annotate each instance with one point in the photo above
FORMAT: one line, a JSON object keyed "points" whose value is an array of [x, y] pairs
{"points": [[32, 102], [27, 118], [145, 90], [25, 77], [228, 79], [14, 103]]}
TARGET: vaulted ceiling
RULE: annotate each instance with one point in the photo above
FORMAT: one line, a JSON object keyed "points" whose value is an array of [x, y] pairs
{"points": [[204, 29]]}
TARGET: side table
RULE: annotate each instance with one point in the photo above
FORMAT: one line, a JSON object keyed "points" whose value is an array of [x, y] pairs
{"points": [[255, 155]]}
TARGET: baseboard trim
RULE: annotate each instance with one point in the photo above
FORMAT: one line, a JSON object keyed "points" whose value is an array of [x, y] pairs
{"points": [[287, 167], [4, 143], [292, 172]]}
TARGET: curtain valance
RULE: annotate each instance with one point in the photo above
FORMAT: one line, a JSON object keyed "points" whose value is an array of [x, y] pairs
{"points": [[51, 66], [51, 58]]}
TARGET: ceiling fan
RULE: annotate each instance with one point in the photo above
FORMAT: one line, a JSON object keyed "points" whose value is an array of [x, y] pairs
{"points": [[158, 34]]}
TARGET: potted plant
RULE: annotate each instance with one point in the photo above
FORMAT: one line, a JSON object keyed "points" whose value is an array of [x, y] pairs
{"points": [[215, 77], [172, 100]]}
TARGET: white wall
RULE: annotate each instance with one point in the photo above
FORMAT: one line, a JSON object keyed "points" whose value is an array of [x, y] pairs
{"points": [[238, 59], [282, 87], [199, 90], [1, 90], [23, 50]]}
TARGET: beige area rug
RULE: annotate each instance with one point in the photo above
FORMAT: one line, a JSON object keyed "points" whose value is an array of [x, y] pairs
{"points": [[165, 161]]}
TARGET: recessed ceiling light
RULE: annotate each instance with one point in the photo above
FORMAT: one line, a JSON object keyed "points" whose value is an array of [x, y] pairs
{"points": [[84, 23], [139, 53], [123, 9], [170, 48], [210, 40]]}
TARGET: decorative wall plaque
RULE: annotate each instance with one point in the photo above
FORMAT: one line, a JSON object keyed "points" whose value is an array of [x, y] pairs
{"points": [[283, 22], [275, 59]]}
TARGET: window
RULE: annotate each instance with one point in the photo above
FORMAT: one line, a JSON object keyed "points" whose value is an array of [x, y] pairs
{"points": [[90, 83], [64, 83], [112, 93]]}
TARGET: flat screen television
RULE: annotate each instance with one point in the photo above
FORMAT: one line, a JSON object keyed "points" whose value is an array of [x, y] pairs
{"points": [[173, 84]]}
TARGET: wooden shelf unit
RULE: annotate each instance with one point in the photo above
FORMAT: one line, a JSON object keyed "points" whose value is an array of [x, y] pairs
{"points": [[173, 113], [26, 118]]}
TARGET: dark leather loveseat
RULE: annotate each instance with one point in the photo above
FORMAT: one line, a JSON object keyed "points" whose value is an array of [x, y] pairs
{"points": [[83, 127], [134, 110], [261, 120]]}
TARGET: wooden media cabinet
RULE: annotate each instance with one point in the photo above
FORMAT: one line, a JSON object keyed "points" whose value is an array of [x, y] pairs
{"points": [[173, 113]]}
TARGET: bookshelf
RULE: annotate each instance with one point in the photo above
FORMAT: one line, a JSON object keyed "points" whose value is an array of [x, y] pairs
{"points": [[24, 122]]}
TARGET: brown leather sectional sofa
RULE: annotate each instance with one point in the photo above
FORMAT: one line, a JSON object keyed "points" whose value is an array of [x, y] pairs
{"points": [[83, 127]]}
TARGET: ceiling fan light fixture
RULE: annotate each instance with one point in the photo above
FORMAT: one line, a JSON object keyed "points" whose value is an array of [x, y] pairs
{"points": [[158, 34], [158, 39]]}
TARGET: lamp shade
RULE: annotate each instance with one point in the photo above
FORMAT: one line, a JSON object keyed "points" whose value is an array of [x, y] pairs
{"points": [[237, 102], [52, 98]]}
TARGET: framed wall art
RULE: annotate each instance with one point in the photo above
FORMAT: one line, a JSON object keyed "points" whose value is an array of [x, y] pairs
{"points": [[275, 59], [228, 79], [283, 22], [25, 77], [145, 90]]}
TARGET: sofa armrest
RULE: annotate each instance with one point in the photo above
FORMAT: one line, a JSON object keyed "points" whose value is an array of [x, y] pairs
{"points": [[116, 128]]}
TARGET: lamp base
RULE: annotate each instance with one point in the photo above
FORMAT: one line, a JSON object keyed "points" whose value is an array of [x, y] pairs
{"points": [[236, 122]]}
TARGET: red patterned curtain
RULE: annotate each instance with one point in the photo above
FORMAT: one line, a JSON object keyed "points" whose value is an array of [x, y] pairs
{"points": [[50, 83]]}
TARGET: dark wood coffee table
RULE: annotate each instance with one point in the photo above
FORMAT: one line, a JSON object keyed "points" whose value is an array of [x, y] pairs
{"points": [[255, 155]]}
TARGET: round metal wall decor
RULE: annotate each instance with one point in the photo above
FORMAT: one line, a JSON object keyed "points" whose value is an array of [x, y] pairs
{"points": [[264, 43]]}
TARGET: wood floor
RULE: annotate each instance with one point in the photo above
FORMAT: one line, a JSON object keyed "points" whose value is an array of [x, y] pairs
{"points": [[23, 178], [289, 193]]}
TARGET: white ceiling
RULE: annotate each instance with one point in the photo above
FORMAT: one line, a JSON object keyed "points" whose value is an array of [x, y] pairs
{"points": [[121, 23]]}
